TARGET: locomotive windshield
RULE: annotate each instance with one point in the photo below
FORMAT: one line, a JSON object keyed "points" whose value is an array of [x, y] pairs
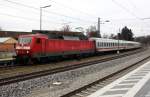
{"points": [[25, 40]]}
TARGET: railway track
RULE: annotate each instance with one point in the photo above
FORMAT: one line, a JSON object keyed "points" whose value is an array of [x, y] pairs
{"points": [[93, 87], [22, 77], [9, 62]]}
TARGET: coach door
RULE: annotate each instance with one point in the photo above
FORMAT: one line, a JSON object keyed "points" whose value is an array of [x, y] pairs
{"points": [[40, 46], [43, 46]]}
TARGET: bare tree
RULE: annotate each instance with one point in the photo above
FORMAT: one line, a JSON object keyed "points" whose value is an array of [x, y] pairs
{"points": [[105, 36], [66, 28], [92, 32], [145, 40], [112, 36], [1, 29]]}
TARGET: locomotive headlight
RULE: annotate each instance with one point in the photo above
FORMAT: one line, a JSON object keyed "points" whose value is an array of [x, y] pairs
{"points": [[27, 51], [18, 47]]}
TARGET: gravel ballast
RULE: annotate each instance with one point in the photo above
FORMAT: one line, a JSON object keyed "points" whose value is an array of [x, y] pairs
{"points": [[55, 85]]}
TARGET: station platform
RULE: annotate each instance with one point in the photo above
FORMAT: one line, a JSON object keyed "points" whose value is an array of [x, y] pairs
{"points": [[134, 84], [6, 59]]}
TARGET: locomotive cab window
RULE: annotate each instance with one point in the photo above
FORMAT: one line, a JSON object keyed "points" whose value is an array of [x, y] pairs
{"points": [[24, 40], [38, 40]]}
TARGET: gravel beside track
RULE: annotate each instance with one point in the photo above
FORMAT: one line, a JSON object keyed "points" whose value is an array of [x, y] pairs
{"points": [[57, 84], [7, 72], [97, 85], [23, 77]]}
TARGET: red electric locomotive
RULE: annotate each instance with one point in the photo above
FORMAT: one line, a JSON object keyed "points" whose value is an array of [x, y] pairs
{"points": [[39, 46]]}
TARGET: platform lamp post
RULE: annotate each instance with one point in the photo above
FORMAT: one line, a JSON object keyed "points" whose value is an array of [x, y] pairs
{"points": [[99, 25], [118, 42], [41, 15]]}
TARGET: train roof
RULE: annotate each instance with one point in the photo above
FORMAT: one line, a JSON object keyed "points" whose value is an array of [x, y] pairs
{"points": [[61, 34], [49, 33], [34, 35], [112, 40]]}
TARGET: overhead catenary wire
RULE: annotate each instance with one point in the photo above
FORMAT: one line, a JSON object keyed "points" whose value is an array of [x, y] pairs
{"points": [[48, 20], [50, 12], [111, 19], [36, 13], [25, 18], [37, 9], [126, 9], [71, 8], [135, 7]]}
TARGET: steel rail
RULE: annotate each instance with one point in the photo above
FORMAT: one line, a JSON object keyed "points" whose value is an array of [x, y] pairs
{"points": [[23, 77], [93, 87]]}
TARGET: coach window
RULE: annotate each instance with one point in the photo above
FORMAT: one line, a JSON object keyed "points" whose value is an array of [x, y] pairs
{"points": [[38, 40]]}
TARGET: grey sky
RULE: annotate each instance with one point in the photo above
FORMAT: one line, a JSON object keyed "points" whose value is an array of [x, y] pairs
{"points": [[77, 13]]}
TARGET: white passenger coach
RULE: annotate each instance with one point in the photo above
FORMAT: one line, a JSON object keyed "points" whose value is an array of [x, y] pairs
{"points": [[103, 44]]}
